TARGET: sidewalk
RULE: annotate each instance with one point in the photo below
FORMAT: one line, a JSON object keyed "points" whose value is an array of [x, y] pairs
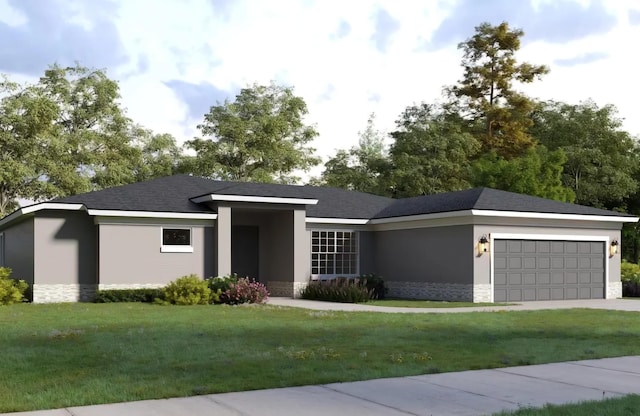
{"points": [[479, 392]]}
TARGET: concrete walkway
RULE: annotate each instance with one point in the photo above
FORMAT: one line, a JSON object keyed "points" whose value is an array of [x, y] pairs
{"points": [[479, 392], [632, 305]]}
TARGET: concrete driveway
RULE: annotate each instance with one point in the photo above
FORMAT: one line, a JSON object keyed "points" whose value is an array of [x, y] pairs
{"points": [[468, 393], [632, 305]]}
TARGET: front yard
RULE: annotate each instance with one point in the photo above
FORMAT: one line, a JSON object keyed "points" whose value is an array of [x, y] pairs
{"points": [[78, 354]]}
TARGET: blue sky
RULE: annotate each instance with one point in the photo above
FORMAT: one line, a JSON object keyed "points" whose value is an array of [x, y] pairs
{"points": [[347, 59]]}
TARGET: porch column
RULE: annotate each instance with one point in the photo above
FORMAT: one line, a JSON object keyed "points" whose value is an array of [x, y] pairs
{"points": [[223, 241], [301, 251]]}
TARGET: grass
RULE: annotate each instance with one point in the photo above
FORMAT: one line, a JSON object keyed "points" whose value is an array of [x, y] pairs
{"points": [[620, 406], [409, 303], [62, 355]]}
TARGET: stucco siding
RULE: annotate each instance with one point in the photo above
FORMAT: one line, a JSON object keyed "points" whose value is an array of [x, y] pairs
{"points": [[130, 254], [64, 248], [367, 248], [18, 249], [434, 255]]}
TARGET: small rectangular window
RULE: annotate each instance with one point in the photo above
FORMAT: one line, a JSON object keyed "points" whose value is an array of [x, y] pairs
{"points": [[176, 240]]}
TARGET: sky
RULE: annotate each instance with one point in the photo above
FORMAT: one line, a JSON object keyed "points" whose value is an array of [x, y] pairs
{"points": [[174, 59]]}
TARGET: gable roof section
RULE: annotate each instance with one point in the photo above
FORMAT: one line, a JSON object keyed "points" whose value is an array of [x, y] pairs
{"points": [[486, 199]]}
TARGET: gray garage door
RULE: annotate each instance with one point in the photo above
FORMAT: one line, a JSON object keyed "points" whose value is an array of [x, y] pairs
{"points": [[548, 270]]}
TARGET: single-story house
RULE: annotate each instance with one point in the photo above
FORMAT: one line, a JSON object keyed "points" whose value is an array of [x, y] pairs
{"points": [[480, 245]]}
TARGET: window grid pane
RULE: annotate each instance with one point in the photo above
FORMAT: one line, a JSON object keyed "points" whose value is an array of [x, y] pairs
{"points": [[334, 252]]}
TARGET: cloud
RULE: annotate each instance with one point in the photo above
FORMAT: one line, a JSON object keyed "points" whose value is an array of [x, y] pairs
{"points": [[344, 28], [634, 17], [60, 32], [583, 59], [555, 22], [385, 26], [327, 95], [200, 97]]}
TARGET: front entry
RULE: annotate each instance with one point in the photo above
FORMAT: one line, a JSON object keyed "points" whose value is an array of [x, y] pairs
{"points": [[245, 251]]}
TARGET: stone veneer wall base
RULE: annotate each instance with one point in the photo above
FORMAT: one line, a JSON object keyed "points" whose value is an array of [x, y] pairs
{"points": [[614, 290], [278, 288], [440, 291], [64, 293]]}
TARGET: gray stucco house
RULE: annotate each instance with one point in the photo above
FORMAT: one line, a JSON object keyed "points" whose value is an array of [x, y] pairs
{"points": [[480, 245]]}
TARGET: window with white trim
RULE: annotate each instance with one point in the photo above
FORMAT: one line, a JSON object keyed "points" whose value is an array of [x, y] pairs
{"points": [[334, 253], [2, 264], [176, 240]]}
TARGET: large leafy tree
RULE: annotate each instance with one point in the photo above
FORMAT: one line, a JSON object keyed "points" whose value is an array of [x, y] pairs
{"points": [[431, 153], [601, 163], [64, 135], [537, 173], [261, 136], [497, 114], [159, 155], [364, 167]]}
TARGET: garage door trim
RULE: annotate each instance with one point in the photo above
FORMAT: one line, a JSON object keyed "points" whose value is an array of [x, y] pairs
{"points": [[555, 237]]}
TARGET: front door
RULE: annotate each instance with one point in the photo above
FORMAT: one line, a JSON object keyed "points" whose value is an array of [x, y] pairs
{"points": [[245, 251]]}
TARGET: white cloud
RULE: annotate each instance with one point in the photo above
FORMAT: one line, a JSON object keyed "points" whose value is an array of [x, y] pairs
{"points": [[342, 78]]}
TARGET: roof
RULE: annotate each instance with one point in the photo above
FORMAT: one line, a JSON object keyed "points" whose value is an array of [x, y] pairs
{"points": [[176, 194], [486, 199]]}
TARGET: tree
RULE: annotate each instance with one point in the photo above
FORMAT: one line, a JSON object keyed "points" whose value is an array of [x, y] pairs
{"points": [[63, 135], [363, 168], [159, 155], [26, 154], [537, 173], [601, 158], [261, 137], [430, 154], [497, 114]]}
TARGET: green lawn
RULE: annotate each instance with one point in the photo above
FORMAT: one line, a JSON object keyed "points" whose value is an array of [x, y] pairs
{"points": [[78, 354], [408, 303], [623, 406]]}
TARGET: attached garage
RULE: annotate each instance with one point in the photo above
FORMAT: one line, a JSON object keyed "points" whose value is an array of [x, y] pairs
{"points": [[544, 269]]}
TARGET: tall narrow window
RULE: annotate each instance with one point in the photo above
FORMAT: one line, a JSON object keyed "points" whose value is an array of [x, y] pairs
{"points": [[176, 240], [334, 253]]}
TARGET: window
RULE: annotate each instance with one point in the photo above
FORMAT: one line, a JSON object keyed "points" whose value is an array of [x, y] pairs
{"points": [[2, 264], [176, 240], [334, 253]]}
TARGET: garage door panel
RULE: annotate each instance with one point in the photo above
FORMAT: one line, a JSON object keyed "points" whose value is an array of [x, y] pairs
{"points": [[544, 262], [548, 270]]}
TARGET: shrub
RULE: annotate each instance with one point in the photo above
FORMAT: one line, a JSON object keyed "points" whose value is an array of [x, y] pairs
{"points": [[374, 283], [11, 290], [341, 289], [188, 290], [233, 290], [128, 295], [630, 277]]}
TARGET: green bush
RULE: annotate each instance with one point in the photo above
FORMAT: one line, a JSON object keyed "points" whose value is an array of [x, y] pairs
{"points": [[188, 290], [128, 295], [341, 289], [11, 290], [630, 277]]}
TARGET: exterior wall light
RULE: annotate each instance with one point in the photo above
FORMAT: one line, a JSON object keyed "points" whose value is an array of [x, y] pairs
{"points": [[613, 248], [483, 245]]}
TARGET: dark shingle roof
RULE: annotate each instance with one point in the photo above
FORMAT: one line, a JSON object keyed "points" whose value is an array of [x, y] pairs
{"points": [[174, 194], [485, 199]]}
